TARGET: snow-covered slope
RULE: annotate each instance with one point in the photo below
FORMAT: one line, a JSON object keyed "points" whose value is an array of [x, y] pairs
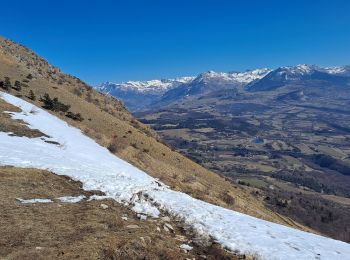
{"points": [[84, 160]]}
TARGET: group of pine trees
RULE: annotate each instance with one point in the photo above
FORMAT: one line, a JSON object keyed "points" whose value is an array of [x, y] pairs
{"points": [[7, 86], [48, 103], [55, 105]]}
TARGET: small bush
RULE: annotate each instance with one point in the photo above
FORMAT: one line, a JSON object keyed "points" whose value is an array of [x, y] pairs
{"points": [[189, 179], [75, 117], [227, 198], [6, 85], [53, 104], [117, 145], [17, 86], [31, 95]]}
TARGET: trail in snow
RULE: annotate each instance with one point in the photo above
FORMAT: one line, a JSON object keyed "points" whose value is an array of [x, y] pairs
{"points": [[82, 159]]}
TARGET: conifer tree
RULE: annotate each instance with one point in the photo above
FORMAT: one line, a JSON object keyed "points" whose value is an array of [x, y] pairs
{"points": [[31, 95], [17, 86], [7, 84]]}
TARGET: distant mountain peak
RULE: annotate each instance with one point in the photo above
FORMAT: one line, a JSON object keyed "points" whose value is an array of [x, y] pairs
{"points": [[300, 74], [234, 77], [156, 86], [298, 69]]}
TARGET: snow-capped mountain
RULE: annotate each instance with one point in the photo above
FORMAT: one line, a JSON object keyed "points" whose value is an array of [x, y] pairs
{"points": [[139, 94], [342, 71], [160, 86], [213, 81], [301, 75], [153, 87], [239, 77]]}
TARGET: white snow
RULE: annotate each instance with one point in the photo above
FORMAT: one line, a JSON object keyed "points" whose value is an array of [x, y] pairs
{"points": [[84, 160], [159, 87], [335, 70], [155, 86], [71, 199], [33, 201], [304, 69], [186, 247], [236, 77], [65, 199]]}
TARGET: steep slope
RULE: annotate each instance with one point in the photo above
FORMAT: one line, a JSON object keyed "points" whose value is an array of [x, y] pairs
{"points": [[66, 151], [111, 125]]}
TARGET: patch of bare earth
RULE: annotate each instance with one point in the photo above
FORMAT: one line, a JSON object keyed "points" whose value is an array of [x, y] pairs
{"points": [[83, 230], [16, 127]]}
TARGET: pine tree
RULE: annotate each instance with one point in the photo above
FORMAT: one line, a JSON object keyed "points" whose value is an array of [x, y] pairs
{"points": [[7, 84], [31, 95], [53, 104], [17, 86]]}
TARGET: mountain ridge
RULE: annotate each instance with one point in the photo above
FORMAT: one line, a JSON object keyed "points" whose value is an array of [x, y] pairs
{"points": [[251, 80]]}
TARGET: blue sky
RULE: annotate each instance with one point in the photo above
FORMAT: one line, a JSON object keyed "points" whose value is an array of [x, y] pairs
{"points": [[137, 40]]}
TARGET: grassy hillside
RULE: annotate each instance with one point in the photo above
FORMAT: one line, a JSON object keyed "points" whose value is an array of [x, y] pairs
{"points": [[108, 122], [85, 230]]}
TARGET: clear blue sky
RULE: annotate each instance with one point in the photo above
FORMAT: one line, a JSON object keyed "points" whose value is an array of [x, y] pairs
{"points": [[123, 40]]}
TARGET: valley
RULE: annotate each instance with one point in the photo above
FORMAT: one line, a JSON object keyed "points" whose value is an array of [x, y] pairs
{"points": [[291, 144]]}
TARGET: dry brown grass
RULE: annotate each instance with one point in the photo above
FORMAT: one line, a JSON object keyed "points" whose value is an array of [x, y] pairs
{"points": [[81, 230], [16, 127], [109, 123]]}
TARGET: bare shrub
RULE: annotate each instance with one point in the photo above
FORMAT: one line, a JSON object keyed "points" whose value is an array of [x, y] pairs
{"points": [[227, 198], [189, 179], [117, 145]]}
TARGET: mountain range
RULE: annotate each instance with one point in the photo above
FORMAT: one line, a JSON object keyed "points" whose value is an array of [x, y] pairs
{"points": [[284, 132], [138, 95]]}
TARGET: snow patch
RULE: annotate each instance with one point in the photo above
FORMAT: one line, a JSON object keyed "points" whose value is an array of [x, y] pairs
{"points": [[71, 199], [186, 247], [33, 201]]}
